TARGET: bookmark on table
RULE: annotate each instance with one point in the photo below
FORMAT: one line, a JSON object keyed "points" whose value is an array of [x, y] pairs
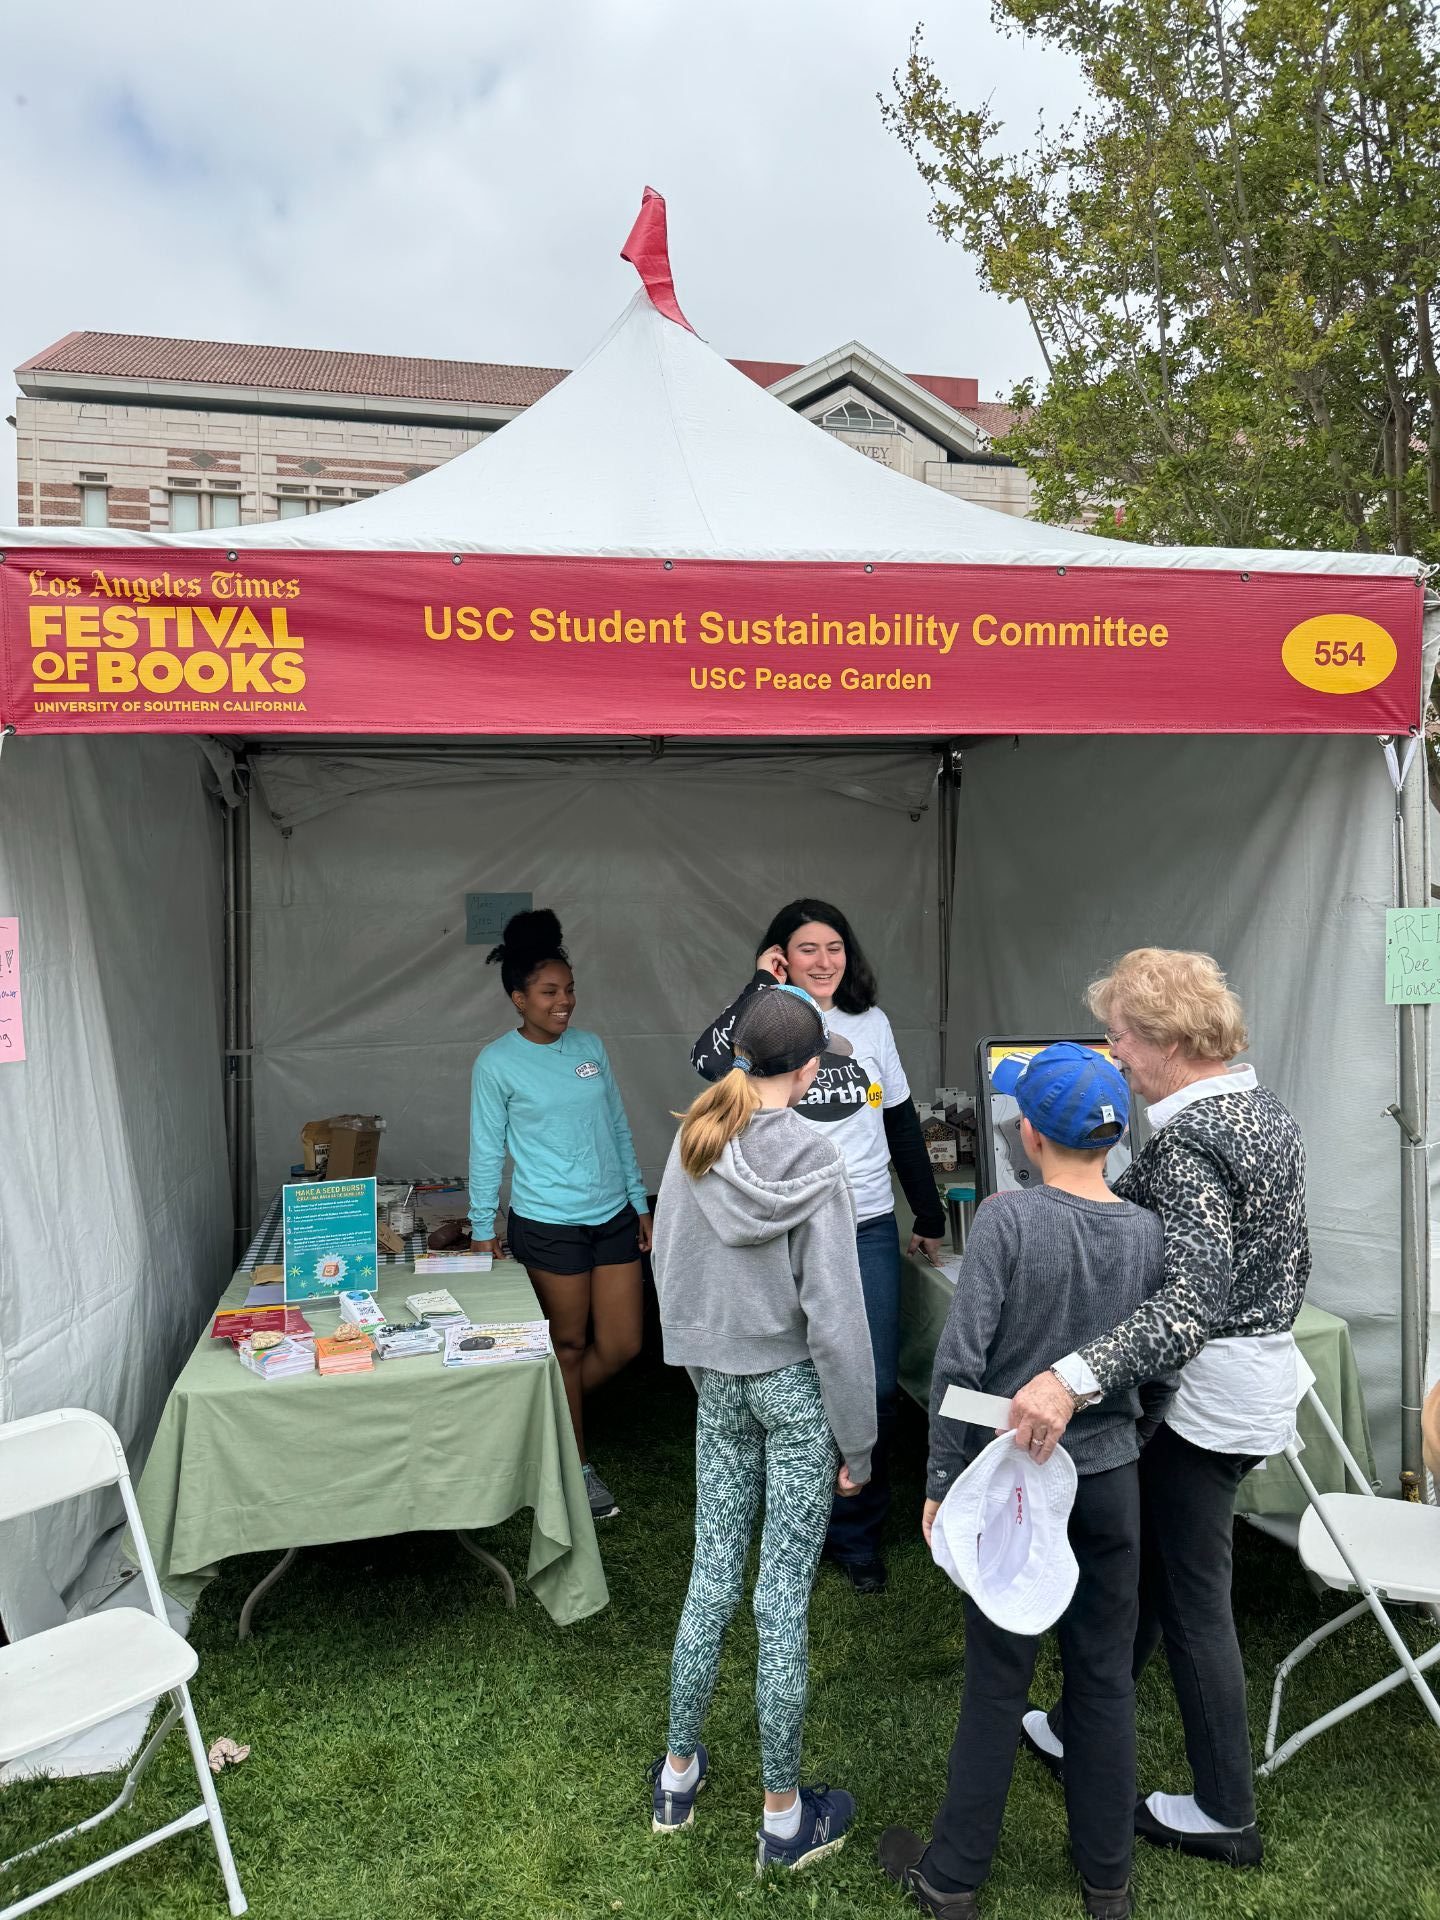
{"points": [[979, 1409]]}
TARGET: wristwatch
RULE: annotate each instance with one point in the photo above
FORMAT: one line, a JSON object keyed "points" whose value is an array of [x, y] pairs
{"points": [[1078, 1401]]}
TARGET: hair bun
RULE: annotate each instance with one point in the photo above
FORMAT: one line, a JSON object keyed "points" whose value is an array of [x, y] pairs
{"points": [[534, 932]]}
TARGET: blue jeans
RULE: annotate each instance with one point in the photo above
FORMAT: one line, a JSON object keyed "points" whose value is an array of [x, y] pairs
{"points": [[857, 1523]]}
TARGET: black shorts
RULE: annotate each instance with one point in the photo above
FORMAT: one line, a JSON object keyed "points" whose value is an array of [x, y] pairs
{"points": [[575, 1249]]}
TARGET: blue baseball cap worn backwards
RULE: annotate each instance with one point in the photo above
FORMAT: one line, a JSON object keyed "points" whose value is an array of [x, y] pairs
{"points": [[1069, 1093]]}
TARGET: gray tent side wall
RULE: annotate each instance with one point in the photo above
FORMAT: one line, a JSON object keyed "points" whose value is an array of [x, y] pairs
{"points": [[1276, 855], [114, 1191]]}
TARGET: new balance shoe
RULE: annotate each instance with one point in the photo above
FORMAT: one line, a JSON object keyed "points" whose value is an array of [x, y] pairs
{"points": [[670, 1809], [826, 1816], [603, 1504]]}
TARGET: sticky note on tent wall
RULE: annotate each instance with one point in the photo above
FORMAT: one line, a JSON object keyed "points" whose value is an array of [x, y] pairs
{"points": [[1412, 955], [12, 1015], [486, 914]]}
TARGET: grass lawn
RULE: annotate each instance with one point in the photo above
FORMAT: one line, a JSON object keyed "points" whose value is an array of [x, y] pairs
{"points": [[419, 1752]]}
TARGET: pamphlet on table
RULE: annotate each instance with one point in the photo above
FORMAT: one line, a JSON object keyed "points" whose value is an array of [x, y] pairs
{"points": [[491, 1343], [330, 1237]]}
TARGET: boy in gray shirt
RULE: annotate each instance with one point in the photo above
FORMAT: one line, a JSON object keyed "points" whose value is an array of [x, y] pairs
{"points": [[1065, 1259]]}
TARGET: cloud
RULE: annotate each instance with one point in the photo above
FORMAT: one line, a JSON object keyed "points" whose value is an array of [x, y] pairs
{"points": [[452, 179]]}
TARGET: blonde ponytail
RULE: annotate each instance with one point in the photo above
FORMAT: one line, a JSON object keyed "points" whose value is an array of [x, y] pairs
{"points": [[714, 1119]]}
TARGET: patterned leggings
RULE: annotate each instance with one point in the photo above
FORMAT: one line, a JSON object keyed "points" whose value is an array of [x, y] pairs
{"points": [[755, 1431]]}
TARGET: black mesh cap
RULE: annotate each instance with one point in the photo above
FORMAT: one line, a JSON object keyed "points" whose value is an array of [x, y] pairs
{"points": [[778, 1031]]}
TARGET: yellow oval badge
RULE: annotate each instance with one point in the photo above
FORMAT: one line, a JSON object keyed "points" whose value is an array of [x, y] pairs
{"points": [[1339, 653]]}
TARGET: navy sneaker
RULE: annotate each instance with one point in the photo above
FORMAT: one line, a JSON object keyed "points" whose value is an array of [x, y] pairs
{"points": [[670, 1811], [826, 1816]]}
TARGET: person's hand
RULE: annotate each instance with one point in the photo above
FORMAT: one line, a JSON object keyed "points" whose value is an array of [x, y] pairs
{"points": [[927, 1520], [927, 1249], [488, 1246], [844, 1485], [1039, 1414], [772, 961], [644, 1232]]}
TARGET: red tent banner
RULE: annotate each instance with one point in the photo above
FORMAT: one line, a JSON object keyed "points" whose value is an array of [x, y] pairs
{"points": [[188, 641]]}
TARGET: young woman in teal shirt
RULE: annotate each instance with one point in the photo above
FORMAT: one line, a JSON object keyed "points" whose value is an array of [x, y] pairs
{"points": [[579, 1215]]}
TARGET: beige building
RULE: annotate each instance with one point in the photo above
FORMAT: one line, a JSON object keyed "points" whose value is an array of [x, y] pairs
{"points": [[132, 431]]}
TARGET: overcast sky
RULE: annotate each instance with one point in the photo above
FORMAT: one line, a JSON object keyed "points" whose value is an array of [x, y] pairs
{"points": [[456, 177]]}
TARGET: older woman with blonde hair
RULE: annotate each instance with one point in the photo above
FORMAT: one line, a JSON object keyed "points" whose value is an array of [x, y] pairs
{"points": [[1225, 1170]]}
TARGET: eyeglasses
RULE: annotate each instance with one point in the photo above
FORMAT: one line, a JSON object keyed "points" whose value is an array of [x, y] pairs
{"points": [[1114, 1035]]}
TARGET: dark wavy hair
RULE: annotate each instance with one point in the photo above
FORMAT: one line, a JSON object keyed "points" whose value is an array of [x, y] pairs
{"points": [[530, 941], [858, 990]]}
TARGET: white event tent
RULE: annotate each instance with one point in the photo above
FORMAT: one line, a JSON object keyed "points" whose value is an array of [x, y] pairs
{"points": [[239, 931]]}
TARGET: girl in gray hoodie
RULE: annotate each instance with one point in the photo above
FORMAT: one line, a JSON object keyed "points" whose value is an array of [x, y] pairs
{"points": [[760, 1297]]}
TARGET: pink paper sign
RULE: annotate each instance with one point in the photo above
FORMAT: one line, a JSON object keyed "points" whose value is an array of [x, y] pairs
{"points": [[12, 1019]]}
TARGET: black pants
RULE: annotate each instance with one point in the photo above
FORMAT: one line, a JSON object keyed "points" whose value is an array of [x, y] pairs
{"points": [[1096, 1634], [1187, 1509]]}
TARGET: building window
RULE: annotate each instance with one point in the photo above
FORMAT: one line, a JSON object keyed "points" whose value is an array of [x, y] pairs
{"points": [[291, 508], [853, 417], [184, 512], [190, 509], [94, 500]]}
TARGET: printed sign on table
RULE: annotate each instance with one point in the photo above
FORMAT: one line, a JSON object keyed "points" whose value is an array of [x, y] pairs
{"points": [[12, 1013], [1412, 955], [330, 1240]]}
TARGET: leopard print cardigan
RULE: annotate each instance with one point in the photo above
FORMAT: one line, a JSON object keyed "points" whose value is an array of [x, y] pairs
{"points": [[1227, 1178]]}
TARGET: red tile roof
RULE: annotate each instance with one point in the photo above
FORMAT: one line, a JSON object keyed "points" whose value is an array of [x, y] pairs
{"points": [[221, 363], [993, 415], [133, 356]]}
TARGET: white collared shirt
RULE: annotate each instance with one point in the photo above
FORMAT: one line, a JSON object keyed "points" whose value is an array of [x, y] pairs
{"points": [[1238, 1395]]}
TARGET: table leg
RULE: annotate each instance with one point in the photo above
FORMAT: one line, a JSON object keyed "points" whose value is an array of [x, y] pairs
{"points": [[497, 1567], [277, 1572]]}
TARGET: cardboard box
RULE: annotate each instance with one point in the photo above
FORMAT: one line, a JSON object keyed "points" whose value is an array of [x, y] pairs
{"points": [[346, 1147]]}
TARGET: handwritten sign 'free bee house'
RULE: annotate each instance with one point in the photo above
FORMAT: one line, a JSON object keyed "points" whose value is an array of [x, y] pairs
{"points": [[1412, 955]]}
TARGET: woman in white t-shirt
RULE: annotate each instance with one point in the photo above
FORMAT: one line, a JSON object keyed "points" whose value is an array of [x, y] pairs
{"points": [[862, 1099]]}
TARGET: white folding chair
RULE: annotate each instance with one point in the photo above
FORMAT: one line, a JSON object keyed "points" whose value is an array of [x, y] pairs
{"points": [[1382, 1549], [61, 1682]]}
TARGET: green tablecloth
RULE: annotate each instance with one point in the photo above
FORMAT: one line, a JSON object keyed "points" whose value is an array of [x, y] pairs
{"points": [[244, 1465], [1322, 1338]]}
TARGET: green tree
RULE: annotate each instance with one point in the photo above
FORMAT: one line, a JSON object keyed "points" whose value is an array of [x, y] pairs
{"points": [[1229, 259]]}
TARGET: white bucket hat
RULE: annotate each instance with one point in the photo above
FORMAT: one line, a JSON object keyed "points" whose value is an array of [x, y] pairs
{"points": [[1002, 1536]]}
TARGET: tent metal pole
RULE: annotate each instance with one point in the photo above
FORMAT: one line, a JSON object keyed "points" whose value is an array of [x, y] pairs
{"points": [[232, 1143], [1412, 828], [945, 823], [244, 1027]]}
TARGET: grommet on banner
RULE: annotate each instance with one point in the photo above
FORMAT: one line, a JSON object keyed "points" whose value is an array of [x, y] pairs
{"points": [[868, 567], [669, 566], [1061, 572], [3, 558], [232, 556], [454, 559], [1244, 576]]}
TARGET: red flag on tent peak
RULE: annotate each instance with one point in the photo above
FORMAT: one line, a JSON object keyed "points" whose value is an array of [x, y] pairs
{"points": [[648, 251]]}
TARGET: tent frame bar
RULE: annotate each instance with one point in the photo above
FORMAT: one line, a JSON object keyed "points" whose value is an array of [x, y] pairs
{"points": [[238, 1012], [1412, 874]]}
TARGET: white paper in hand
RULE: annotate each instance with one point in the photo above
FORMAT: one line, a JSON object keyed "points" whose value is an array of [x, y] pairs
{"points": [[979, 1409]]}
